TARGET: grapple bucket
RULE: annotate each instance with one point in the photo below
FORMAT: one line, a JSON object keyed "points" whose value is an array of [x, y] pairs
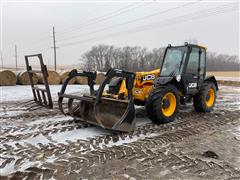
{"points": [[110, 112]]}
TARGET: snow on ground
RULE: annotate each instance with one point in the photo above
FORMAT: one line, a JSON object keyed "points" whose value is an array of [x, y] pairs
{"points": [[229, 89], [82, 134], [73, 135], [53, 119], [9, 168], [129, 140], [35, 140], [22, 92], [10, 113], [228, 98], [18, 93]]}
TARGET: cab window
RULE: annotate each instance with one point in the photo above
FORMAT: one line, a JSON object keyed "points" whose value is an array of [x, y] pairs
{"points": [[192, 66]]}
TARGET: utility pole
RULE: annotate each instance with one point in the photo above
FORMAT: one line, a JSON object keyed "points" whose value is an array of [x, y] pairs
{"points": [[16, 57], [1, 59], [54, 49]]}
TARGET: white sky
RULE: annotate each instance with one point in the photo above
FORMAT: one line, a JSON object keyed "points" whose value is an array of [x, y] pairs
{"points": [[29, 25]]}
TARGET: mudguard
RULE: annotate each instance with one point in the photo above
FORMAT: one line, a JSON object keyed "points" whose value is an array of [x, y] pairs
{"points": [[160, 81], [212, 79]]}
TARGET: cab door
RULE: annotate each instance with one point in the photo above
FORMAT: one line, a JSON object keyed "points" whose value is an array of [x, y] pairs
{"points": [[192, 71]]}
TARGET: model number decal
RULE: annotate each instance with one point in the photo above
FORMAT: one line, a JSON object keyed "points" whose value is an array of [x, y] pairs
{"points": [[192, 85], [149, 77]]}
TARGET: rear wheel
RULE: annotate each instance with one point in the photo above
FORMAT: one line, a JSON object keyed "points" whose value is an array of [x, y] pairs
{"points": [[205, 100], [162, 104]]}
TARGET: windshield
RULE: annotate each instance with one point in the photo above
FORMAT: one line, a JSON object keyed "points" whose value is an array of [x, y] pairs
{"points": [[173, 60]]}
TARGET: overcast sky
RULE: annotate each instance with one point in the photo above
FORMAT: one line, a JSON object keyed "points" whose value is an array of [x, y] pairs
{"points": [[81, 25]]}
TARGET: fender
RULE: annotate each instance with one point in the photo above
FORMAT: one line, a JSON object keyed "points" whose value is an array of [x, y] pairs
{"points": [[160, 81], [212, 79]]}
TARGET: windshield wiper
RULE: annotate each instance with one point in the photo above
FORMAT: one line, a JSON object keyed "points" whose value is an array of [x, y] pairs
{"points": [[173, 72]]}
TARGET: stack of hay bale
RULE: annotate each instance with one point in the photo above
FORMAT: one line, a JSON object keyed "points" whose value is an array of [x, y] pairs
{"points": [[23, 78], [84, 80], [7, 78], [64, 76], [81, 80], [100, 77], [53, 78]]}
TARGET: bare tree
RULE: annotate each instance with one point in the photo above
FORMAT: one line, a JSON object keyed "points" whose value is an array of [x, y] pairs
{"points": [[103, 57]]}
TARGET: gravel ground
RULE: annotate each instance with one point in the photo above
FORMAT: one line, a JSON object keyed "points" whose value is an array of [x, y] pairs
{"points": [[45, 144]]}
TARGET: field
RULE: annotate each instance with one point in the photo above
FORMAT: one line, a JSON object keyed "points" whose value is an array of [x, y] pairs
{"points": [[44, 144], [225, 73]]}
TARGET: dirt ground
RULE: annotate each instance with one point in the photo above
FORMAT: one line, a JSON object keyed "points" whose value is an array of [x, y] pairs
{"points": [[44, 144]]}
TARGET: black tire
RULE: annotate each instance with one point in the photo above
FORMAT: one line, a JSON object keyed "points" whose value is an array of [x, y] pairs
{"points": [[154, 104], [199, 100]]}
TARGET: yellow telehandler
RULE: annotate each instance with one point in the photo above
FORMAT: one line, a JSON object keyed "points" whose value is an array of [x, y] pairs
{"points": [[181, 76]]}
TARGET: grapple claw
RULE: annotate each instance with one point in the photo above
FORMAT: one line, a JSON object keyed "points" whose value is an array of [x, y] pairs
{"points": [[107, 112]]}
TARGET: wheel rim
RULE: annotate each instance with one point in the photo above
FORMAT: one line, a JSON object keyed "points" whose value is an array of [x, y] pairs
{"points": [[210, 98], [168, 111]]}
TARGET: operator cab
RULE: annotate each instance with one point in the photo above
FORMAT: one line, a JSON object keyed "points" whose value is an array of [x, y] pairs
{"points": [[187, 64]]}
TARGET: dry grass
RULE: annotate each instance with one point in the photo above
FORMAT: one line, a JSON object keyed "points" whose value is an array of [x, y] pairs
{"points": [[224, 73], [229, 83]]}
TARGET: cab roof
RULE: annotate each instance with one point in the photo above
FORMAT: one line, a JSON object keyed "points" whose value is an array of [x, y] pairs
{"points": [[189, 45]]}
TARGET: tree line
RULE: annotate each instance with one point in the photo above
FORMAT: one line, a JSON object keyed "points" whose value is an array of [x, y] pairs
{"points": [[103, 57]]}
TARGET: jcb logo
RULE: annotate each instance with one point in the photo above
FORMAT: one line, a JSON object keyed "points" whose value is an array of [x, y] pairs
{"points": [[192, 85], [149, 77]]}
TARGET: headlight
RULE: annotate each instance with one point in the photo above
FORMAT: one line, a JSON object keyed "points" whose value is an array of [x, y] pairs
{"points": [[178, 77]]}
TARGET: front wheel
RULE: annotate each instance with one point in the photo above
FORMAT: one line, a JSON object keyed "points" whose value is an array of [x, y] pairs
{"points": [[204, 101], [162, 104]]}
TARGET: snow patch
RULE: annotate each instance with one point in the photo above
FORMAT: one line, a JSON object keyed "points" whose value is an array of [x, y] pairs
{"points": [[82, 134], [128, 140], [8, 169], [11, 113], [142, 121], [18, 93], [35, 140], [53, 119]]}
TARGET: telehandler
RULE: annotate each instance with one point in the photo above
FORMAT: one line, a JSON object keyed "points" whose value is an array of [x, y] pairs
{"points": [[182, 76]]}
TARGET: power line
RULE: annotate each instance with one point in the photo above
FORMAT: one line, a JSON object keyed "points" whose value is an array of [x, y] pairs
{"points": [[133, 21], [106, 17], [96, 20], [44, 37], [167, 22], [45, 49]]}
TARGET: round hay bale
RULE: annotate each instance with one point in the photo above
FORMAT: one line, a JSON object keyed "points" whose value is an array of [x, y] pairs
{"points": [[64, 76], [23, 78], [7, 78], [53, 78], [81, 80], [100, 77]]}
